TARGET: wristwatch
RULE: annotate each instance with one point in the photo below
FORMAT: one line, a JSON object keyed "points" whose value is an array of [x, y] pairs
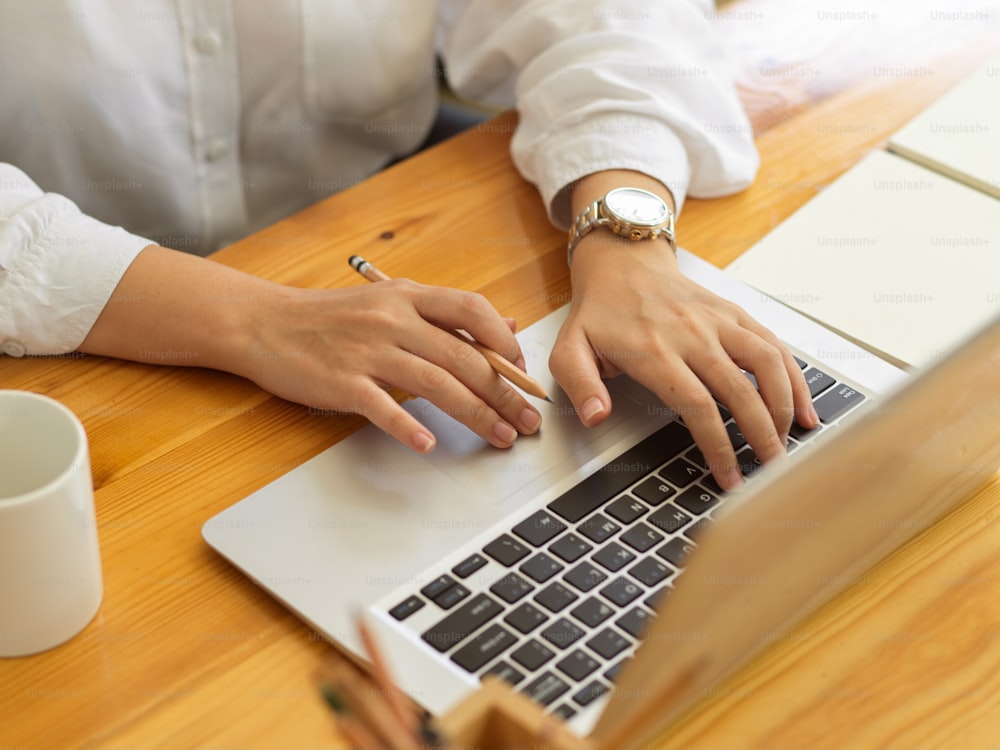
{"points": [[629, 212]]}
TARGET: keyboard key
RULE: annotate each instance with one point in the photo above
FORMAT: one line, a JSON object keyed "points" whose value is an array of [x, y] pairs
{"points": [[532, 655], [546, 689], [506, 550], [650, 571], [836, 401], [640, 538], [564, 711], [438, 586], [612, 674], [526, 617], [484, 648], [590, 693], [608, 643], [570, 547], [469, 565], [621, 591], [696, 500], [696, 457], [461, 623], [709, 481], [818, 381], [669, 519], [562, 633], [694, 530], [616, 476], [680, 472], [653, 600], [504, 671], [676, 551], [735, 436], [585, 576], [541, 567], [539, 527], [613, 556], [800, 362], [511, 587], [654, 491], [626, 509], [577, 665], [598, 527], [800, 433], [592, 612], [451, 596], [406, 607], [555, 597], [748, 461], [635, 621]]}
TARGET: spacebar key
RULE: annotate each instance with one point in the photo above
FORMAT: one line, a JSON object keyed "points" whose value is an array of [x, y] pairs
{"points": [[629, 467], [461, 623]]}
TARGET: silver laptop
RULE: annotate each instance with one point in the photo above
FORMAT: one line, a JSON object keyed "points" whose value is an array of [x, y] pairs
{"points": [[545, 564]]}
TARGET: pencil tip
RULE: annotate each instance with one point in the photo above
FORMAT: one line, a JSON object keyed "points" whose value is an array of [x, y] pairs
{"points": [[549, 399]]}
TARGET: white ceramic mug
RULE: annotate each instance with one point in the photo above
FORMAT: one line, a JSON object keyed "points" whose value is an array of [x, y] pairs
{"points": [[50, 561]]}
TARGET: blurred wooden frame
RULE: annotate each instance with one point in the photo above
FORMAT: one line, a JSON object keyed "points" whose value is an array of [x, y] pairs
{"points": [[497, 718]]}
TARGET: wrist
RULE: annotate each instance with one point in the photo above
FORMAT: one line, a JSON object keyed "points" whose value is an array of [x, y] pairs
{"points": [[642, 216]]}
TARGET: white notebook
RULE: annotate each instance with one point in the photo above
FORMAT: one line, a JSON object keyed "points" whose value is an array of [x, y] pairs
{"points": [[959, 135], [904, 261]]}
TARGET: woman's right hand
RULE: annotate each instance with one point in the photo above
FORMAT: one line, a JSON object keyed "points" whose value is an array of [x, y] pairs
{"points": [[339, 349], [332, 349]]}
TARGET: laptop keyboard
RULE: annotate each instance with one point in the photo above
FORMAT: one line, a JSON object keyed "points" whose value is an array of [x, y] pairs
{"points": [[557, 604]]}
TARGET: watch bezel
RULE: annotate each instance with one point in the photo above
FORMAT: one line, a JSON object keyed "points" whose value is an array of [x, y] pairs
{"points": [[662, 219]]}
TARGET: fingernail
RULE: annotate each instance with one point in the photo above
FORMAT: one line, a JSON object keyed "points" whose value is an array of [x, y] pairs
{"points": [[423, 442], [531, 420], [784, 439], [504, 432], [521, 364], [815, 416], [591, 409]]}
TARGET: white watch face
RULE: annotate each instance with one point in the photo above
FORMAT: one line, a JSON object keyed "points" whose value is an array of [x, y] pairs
{"points": [[635, 206]]}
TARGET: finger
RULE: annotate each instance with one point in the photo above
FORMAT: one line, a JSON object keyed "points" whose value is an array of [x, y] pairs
{"points": [[761, 358], [805, 412], [382, 411], [426, 379], [455, 355], [734, 389], [684, 391], [457, 309], [574, 366]]}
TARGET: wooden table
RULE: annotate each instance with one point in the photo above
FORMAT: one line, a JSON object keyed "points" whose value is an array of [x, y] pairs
{"points": [[187, 652]]}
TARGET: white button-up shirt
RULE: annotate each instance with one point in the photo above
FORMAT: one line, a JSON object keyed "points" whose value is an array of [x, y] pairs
{"points": [[192, 123]]}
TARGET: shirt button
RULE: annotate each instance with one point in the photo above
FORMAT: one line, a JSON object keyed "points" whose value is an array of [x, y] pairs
{"points": [[208, 42], [216, 149], [13, 348]]}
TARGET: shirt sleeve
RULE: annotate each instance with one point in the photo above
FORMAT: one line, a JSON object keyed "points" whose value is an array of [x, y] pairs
{"points": [[58, 267], [603, 84]]}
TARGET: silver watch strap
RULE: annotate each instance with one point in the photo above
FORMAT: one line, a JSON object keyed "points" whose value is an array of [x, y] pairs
{"points": [[589, 218]]}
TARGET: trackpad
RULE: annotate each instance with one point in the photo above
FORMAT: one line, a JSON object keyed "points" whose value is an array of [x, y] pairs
{"points": [[495, 474]]}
